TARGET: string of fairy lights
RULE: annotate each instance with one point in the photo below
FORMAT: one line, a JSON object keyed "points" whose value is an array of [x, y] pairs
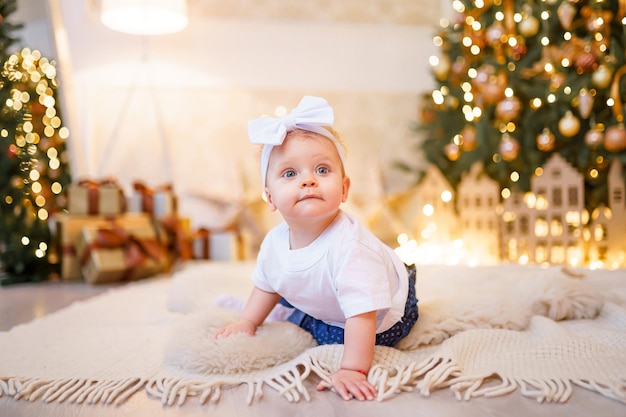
{"points": [[38, 141], [505, 40]]}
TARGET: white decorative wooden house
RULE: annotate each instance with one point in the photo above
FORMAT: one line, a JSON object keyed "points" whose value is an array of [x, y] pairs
{"points": [[478, 197], [430, 208], [548, 224], [607, 237], [545, 225]]}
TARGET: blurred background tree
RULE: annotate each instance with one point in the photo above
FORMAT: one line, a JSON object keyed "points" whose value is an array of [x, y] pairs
{"points": [[518, 80], [33, 158]]}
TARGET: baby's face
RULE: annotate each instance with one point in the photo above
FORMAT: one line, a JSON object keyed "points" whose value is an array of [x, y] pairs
{"points": [[305, 178]]}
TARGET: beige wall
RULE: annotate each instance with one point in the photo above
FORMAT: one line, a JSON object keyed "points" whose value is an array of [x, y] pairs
{"points": [[173, 108]]}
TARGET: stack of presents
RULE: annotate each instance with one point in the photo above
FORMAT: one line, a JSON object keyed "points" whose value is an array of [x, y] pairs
{"points": [[106, 236]]}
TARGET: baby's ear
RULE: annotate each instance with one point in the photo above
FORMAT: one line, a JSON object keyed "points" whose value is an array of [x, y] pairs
{"points": [[346, 188], [268, 197]]}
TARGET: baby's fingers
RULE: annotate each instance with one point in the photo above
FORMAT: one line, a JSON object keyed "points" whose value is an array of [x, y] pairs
{"points": [[223, 331]]}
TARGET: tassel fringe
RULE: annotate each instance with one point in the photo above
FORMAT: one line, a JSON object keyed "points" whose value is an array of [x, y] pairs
{"points": [[431, 374]]}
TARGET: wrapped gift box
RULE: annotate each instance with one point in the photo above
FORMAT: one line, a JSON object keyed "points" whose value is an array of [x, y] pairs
{"points": [[113, 253], [218, 245], [175, 234], [159, 202], [68, 229], [200, 244], [89, 197]]}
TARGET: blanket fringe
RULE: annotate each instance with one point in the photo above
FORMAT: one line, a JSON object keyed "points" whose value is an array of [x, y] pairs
{"points": [[429, 375], [75, 390], [176, 390]]}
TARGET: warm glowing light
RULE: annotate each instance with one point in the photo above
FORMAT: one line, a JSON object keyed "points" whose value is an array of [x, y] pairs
{"points": [[56, 188], [433, 253], [428, 210], [446, 196], [280, 111], [542, 202], [144, 17], [437, 97], [42, 214]]}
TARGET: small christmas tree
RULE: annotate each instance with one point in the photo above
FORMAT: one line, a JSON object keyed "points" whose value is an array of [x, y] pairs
{"points": [[33, 166], [519, 80]]}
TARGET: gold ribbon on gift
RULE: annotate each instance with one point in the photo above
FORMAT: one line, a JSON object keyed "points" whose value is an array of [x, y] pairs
{"points": [[93, 193], [147, 194], [178, 237], [136, 250], [202, 235]]}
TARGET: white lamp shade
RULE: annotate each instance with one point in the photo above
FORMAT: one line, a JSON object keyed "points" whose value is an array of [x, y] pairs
{"points": [[144, 17]]}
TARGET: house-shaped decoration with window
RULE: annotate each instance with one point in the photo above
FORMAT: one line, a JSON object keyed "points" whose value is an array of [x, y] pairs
{"points": [[437, 220], [545, 225], [478, 197], [607, 237]]}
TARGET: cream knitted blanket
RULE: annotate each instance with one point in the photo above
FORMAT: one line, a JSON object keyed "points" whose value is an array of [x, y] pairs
{"points": [[482, 332]]}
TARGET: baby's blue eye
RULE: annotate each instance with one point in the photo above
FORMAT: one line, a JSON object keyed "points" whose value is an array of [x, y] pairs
{"points": [[289, 174], [322, 170]]}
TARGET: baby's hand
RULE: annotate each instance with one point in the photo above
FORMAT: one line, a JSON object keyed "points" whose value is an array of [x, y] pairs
{"points": [[241, 326], [350, 384]]}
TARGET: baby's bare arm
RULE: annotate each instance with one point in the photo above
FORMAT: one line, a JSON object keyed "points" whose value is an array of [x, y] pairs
{"points": [[358, 353], [259, 305]]}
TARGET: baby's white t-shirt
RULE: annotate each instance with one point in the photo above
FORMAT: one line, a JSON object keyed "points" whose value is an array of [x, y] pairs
{"points": [[346, 271]]}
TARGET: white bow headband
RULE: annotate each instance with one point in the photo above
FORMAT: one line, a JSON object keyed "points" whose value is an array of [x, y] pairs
{"points": [[311, 115]]}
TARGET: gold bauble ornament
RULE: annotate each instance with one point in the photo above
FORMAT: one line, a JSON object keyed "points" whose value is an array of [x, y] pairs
{"points": [[452, 151], [508, 148], [494, 34], [509, 109], [529, 26], [17, 182], [602, 76], [557, 80], [569, 125], [545, 140], [615, 138], [594, 137], [493, 93], [469, 138]]}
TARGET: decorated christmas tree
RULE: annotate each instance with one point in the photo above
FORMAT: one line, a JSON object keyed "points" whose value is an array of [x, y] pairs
{"points": [[519, 80], [33, 167]]}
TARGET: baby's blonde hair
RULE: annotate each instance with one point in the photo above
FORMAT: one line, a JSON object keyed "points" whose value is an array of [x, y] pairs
{"points": [[319, 135]]}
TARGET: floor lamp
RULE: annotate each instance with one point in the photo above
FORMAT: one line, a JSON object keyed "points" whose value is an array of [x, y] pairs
{"points": [[145, 18]]}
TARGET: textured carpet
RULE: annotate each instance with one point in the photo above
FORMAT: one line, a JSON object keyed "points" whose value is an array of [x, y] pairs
{"points": [[482, 332]]}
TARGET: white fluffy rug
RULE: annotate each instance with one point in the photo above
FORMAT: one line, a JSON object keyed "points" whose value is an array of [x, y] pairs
{"points": [[481, 332]]}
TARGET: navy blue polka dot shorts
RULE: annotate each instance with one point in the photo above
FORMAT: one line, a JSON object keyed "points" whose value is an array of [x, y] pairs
{"points": [[325, 334]]}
